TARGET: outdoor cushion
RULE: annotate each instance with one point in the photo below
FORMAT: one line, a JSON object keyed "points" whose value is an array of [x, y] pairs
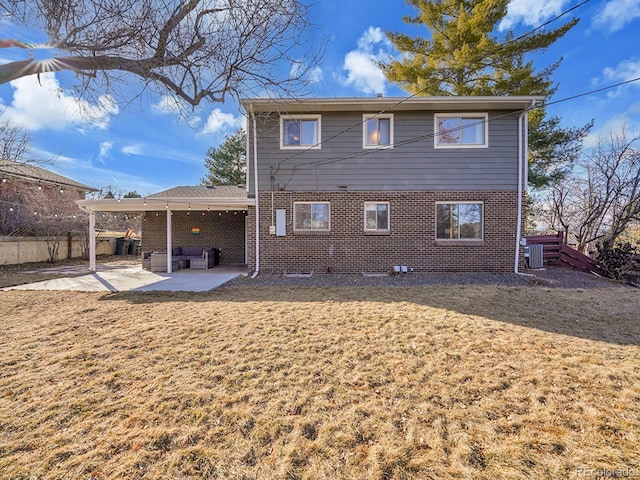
{"points": [[192, 251], [176, 251]]}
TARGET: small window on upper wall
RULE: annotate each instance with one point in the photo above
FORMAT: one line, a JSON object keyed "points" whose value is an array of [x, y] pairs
{"points": [[376, 216], [378, 131], [300, 131], [461, 130]]}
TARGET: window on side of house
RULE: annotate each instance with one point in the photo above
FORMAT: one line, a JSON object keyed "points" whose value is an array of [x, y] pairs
{"points": [[311, 216], [376, 216], [461, 130], [378, 131], [459, 221], [301, 131]]}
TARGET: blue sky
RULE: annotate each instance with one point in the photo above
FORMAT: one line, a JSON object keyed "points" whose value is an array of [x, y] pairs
{"points": [[146, 146]]}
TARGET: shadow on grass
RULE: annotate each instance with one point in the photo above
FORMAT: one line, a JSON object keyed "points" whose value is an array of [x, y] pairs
{"points": [[600, 314]]}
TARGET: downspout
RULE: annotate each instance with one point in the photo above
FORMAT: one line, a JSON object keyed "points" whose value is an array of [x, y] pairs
{"points": [[247, 182], [256, 196], [523, 147]]}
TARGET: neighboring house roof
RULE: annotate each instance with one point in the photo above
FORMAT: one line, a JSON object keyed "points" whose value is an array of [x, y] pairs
{"points": [[389, 104], [220, 197], [32, 173], [200, 192]]}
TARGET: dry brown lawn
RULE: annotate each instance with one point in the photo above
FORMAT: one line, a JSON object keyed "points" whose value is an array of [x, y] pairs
{"points": [[333, 383]]}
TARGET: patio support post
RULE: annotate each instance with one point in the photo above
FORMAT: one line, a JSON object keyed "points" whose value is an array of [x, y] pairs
{"points": [[169, 241], [92, 241]]}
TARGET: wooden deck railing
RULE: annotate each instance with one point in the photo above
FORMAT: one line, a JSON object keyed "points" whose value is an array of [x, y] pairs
{"points": [[556, 252]]}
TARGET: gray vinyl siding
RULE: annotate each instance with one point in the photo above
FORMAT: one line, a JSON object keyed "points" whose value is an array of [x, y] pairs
{"points": [[412, 165]]}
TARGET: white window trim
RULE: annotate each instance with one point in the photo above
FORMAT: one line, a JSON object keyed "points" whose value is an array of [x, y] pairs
{"points": [[295, 229], [388, 204], [436, 128], [368, 116], [300, 117], [464, 202]]}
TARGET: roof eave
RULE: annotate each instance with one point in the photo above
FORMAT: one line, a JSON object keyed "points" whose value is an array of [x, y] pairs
{"points": [[391, 103], [158, 204]]}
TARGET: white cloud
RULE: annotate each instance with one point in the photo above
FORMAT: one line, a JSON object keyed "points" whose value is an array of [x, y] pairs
{"points": [[43, 105], [616, 14], [132, 150], [219, 121], [105, 148], [530, 12], [313, 74], [372, 36], [166, 104], [613, 125], [624, 71], [316, 75], [361, 64]]}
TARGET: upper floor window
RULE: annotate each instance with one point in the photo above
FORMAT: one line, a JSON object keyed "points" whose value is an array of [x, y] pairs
{"points": [[461, 130], [300, 131], [459, 221], [378, 131], [311, 216]]}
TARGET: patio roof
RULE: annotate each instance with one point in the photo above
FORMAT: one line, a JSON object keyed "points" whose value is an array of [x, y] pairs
{"points": [[175, 199], [182, 198]]}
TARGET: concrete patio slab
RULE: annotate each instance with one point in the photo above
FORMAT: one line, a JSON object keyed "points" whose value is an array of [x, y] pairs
{"points": [[138, 280]]}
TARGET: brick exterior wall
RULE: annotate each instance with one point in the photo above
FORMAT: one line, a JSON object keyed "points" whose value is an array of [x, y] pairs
{"points": [[411, 240], [222, 230]]}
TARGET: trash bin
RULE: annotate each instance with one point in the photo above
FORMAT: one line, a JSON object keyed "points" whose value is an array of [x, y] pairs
{"points": [[122, 246], [134, 246]]}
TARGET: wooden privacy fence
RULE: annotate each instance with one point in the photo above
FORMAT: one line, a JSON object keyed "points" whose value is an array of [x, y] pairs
{"points": [[556, 252]]}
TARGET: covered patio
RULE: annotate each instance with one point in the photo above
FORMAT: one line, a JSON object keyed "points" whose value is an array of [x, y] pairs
{"points": [[195, 208]]}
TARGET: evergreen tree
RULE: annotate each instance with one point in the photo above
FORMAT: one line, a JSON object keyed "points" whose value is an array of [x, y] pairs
{"points": [[465, 57], [227, 164]]}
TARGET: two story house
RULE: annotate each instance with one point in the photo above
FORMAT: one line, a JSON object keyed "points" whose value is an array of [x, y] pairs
{"points": [[353, 185]]}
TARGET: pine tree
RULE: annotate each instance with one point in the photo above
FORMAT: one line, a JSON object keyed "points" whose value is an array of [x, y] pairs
{"points": [[227, 164], [465, 57]]}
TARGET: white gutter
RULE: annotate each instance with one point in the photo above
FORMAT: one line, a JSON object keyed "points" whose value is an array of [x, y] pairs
{"points": [[448, 103], [255, 180], [523, 147], [160, 204]]}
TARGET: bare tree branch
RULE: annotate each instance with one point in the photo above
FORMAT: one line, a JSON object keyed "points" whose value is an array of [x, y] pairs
{"points": [[601, 197], [193, 50]]}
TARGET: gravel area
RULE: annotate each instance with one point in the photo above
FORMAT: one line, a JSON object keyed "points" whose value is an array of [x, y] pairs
{"points": [[550, 277]]}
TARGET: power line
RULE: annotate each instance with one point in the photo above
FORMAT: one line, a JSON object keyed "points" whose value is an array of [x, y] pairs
{"points": [[405, 99], [597, 90], [433, 135]]}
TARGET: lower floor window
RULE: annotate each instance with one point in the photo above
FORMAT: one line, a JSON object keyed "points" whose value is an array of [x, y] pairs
{"points": [[459, 221], [376, 216], [311, 216]]}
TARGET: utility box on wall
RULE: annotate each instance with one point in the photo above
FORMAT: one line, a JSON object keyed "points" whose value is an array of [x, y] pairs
{"points": [[281, 222]]}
